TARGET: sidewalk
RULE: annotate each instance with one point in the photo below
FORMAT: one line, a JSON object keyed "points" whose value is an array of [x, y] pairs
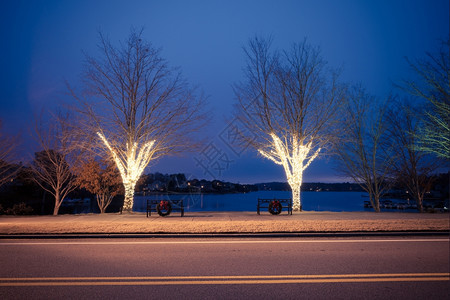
{"points": [[225, 222]]}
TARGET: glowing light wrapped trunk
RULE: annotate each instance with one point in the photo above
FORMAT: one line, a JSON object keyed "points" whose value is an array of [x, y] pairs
{"points": [[292, 154], [296, 197], [131, 164]]}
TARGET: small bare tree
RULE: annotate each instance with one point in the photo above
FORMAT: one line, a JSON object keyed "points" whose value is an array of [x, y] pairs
{"points": [[290, 102], [102, 179], [413, 168], [362, 147], [8, 146], [51, 166], [137, 107]]}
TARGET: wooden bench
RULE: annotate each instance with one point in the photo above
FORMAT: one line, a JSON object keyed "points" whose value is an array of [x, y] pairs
{"points": [[177, 205], [265, 203]]}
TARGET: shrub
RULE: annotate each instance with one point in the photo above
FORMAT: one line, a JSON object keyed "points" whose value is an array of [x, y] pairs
{"points": [[19, 209]]}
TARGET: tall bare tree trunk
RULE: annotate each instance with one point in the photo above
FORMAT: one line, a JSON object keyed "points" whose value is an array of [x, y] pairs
{"points": [[57, 203]]}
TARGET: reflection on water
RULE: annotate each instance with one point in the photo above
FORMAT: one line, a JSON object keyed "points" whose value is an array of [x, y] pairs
{"points": [[311, 201]]}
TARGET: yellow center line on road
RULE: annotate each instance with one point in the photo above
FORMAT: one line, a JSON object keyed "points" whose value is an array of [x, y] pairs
{"points": [[165, 242], [226, 277], [210, 280]]}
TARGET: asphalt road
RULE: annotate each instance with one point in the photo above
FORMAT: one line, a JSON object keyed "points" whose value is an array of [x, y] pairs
{"points": [[217, 268]]}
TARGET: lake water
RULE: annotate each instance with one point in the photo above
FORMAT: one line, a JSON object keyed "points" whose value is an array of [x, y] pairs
{"points": [[311, 201]]}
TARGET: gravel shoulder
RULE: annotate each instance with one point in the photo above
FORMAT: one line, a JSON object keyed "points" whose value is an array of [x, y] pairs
{"points": [[224, 222]]}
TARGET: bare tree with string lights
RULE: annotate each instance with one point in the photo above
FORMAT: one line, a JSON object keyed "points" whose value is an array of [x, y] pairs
{"points": [[137, 107], [291, 102], [433, 85]]}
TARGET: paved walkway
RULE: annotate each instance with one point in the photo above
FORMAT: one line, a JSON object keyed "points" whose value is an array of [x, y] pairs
{"points": [[225, 222]]}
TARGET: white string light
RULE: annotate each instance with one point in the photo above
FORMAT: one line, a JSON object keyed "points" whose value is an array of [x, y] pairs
{"points": [[293, 161], [130, 166]]}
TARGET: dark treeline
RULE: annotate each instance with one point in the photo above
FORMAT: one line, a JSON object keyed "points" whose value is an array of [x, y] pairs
{"points": [[157, 182], [178, 183]]}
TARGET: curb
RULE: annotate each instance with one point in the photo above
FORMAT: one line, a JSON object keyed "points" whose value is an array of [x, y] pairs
{"points": [[228, 235]]}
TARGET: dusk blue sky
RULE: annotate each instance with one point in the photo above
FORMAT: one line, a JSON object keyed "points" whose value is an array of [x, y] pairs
{"points": [[41, 44]]}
